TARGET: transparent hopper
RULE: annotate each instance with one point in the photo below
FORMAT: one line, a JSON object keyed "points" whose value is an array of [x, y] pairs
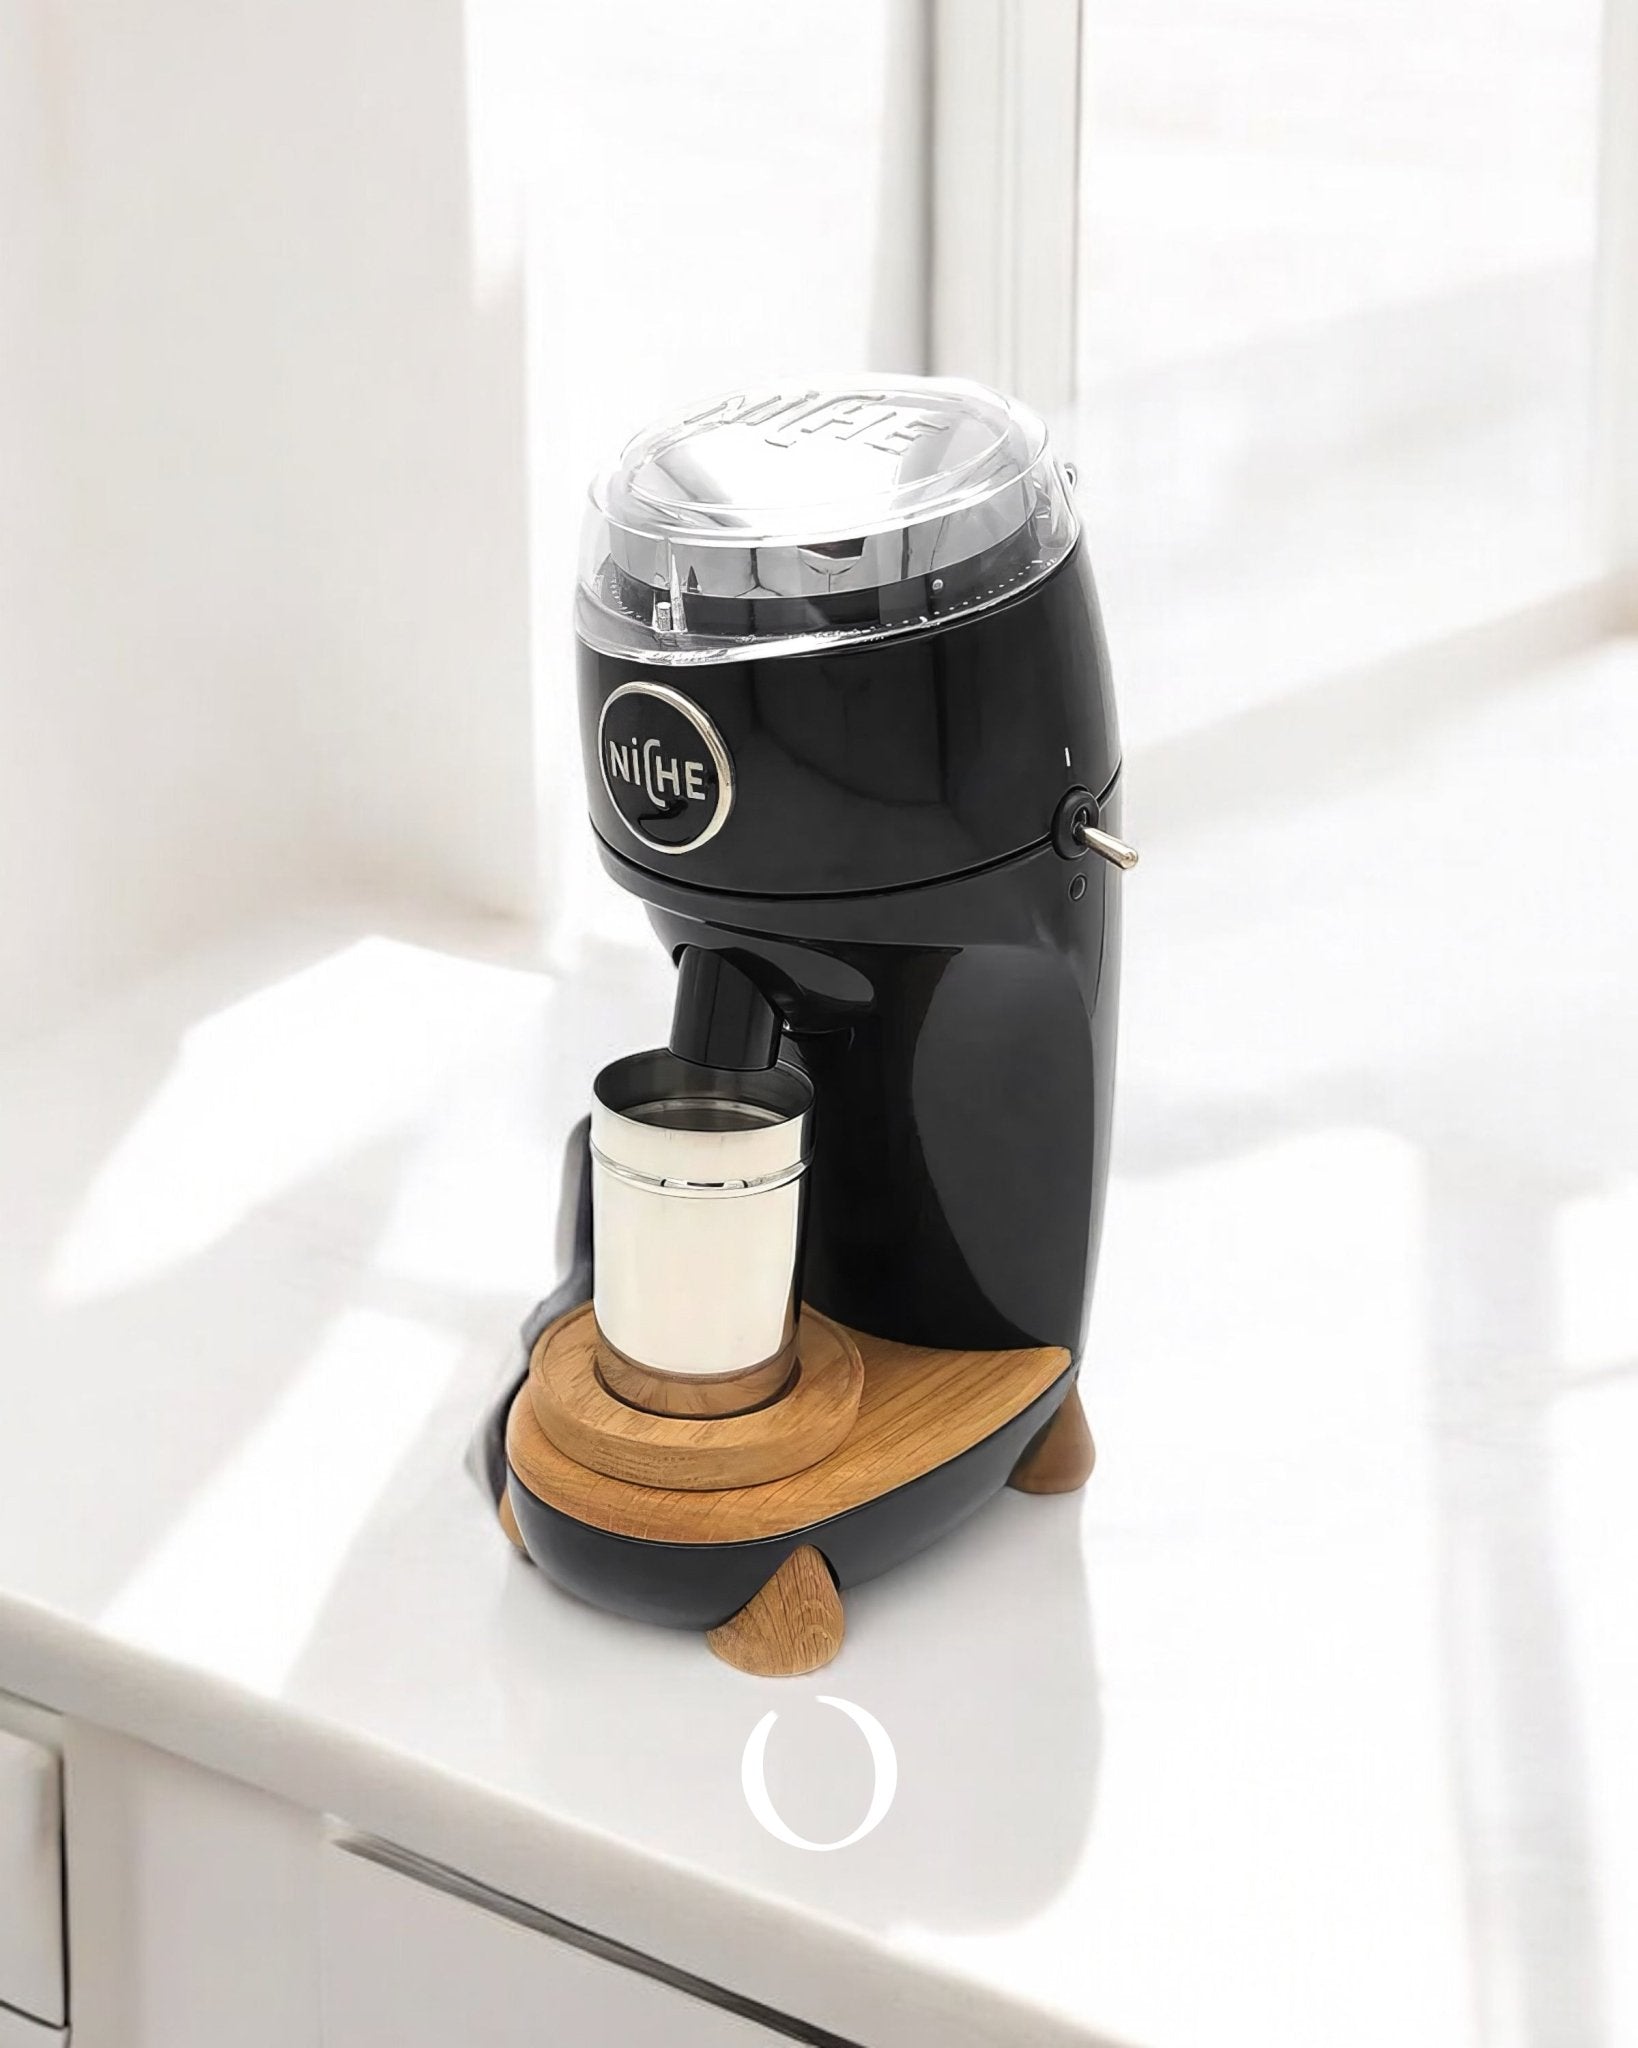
{"points": [[778, 521]]}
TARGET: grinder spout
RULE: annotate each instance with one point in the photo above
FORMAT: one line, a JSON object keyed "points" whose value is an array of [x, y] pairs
{"points": [[721, 1018]]}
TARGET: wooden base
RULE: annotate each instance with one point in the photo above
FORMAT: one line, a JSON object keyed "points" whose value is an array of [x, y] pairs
{"points": [[685, 1453], [937, 1434], [1061, 1458], [919, 1410], [794, 1625]]}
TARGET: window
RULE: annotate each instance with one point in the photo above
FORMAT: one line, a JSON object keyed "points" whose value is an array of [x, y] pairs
{"points": [[1335, 363]]}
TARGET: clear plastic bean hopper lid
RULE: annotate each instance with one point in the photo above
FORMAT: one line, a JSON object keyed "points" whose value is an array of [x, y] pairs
{"points": [[782, 521]]}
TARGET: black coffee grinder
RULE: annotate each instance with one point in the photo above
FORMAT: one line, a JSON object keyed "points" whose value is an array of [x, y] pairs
{"points": [[849, 734]]}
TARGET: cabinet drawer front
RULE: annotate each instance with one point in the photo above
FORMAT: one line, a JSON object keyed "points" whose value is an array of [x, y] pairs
{"points": [[409, 1963], [31, 1878], [17, 2030]]}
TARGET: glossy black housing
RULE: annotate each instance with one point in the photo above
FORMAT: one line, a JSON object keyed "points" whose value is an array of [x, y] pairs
{"points": [[904, 760], [888, 878]]}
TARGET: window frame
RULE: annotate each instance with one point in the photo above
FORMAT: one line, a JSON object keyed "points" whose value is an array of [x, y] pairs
{"points": [[1004, 255]]}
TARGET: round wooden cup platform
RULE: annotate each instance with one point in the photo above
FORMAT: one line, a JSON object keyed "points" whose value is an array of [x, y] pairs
{"points": [[578, 1414]]}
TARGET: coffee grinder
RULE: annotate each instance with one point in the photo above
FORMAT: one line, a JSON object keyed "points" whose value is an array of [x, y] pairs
{"points": [[848, 733]]}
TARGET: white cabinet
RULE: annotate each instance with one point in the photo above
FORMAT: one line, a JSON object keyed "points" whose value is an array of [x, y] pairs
{"points": [[17, 2030], [191, 1913], [33, 1990], [408, 1964], [204, 1913]]}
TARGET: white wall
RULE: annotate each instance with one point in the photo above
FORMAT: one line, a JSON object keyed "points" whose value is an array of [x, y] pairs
{"points": [[315, 317], [42, 884], [264, 620]]}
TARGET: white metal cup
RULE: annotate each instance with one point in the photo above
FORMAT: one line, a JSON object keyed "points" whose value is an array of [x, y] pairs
{"points": [[697, 1205]]}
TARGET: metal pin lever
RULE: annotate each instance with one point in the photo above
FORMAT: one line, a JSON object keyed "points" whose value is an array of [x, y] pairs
{"points": [[1106, 843]]}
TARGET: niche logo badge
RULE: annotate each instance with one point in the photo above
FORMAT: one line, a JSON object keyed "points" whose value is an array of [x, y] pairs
{"points": [[664, 766]]}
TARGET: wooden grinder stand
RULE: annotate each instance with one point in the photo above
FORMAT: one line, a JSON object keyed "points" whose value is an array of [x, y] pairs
{"points": [[862, 1419]]}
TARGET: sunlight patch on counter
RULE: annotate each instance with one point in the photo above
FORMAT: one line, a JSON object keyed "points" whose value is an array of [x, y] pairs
{"points": [[238, 1582], [271, 1092]]}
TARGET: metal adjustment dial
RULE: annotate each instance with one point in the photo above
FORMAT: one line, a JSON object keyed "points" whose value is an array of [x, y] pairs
{"points": [[1075, 832], [1105, 843]]}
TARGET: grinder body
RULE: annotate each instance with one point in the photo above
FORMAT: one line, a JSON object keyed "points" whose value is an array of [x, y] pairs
{"points": [[849, 735], [893, 876]]}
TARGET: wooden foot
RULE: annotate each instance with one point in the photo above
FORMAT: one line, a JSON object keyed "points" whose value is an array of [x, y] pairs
{"points": [[509, 1522], [1062, 1456], [793, 1625]]}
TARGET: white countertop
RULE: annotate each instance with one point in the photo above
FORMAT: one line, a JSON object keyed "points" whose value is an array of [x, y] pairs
{"points": [[1310, 1721]]}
